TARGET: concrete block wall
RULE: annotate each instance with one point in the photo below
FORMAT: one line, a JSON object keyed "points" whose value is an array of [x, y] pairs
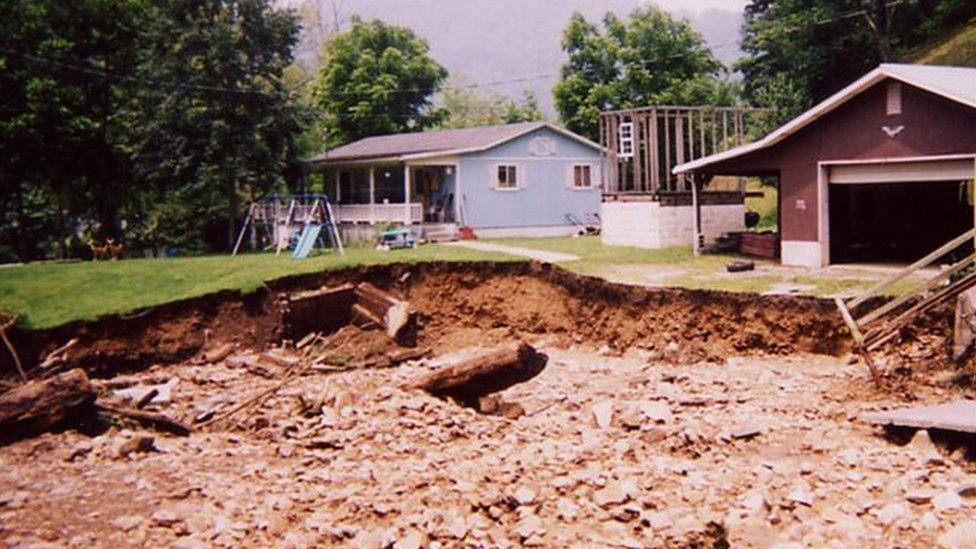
{"points": [[648, 224]]}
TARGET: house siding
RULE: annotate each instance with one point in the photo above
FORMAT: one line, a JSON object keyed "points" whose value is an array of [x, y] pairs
{"points": [[546, 195], [933, 126]]}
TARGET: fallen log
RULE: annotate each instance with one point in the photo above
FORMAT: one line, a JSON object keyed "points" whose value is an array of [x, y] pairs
{"points": [[392, 314], [42, 405], [487, 373], [146, 419]]}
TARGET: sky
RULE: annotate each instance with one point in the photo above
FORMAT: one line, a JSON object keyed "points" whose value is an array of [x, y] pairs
{"points": [[490, 41]]}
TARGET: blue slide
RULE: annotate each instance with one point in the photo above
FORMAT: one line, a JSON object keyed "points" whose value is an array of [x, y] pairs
{"points": [[310, 234]]}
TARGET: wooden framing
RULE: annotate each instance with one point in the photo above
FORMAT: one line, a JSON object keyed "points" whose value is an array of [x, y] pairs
{"points": [[665, 136]]}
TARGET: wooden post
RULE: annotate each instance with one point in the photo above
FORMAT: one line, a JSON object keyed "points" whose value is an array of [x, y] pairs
{"points": [[406, 194], [696, 214], [372, 195], [655, 154]]}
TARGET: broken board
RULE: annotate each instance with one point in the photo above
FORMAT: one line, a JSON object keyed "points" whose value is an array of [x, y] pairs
{"points": [[957, 416]]}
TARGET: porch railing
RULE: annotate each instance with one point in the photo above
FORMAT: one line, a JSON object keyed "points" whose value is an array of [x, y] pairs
{"points": [[378, 213]]}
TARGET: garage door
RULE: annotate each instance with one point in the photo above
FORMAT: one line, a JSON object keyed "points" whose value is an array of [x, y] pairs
{"points": [[897, 212]]}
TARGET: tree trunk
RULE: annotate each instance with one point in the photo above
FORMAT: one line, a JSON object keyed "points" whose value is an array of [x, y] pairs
{"points": [[881, 28], [42, 405], [491, 372]]}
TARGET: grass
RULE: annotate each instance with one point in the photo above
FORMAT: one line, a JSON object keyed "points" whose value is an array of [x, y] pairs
{"points": [[46, 294], [766, 206], [958, 48]]}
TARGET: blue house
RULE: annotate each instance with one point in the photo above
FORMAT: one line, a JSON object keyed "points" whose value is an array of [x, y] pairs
{"points": [[527, 179]]}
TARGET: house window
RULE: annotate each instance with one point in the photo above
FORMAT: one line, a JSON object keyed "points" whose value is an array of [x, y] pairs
{"points": [[507, 176], [894, 98], [582, 176], [625, 148]]}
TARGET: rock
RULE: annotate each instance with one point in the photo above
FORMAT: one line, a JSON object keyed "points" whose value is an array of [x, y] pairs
{"points": [[920, 496], [603, 414], [755, 502], [801, 493], [137, 445], [613, 494], [413, 540], [656, 411], [166, 517], [891, 513], [967, 490], [567, 510], [524, 495], [127, 522], [746, 431], [458, 528], [947, 501], [922, 442], [961, 536], [929, 520], [529, 526]]}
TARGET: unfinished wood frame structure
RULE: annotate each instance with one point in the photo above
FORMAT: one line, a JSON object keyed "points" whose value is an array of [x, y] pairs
{"points": [[641, 146]]}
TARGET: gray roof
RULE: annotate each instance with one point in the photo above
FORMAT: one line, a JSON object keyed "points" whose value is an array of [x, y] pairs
{"points": [[434, 143]]}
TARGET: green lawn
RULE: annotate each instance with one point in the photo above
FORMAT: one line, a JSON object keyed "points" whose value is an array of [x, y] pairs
{"points": [[46, 295]]}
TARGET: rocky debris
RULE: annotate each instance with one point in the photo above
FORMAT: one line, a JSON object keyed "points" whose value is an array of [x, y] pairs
{"points": [[960, 536], [349, 458]]}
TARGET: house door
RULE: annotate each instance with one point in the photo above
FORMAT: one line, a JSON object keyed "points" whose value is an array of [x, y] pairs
{"points": [[432, 190]]}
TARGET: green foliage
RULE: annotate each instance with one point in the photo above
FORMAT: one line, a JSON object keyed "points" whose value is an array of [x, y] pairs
{"points": [[466, 108], [200, 149], [376, 79], [799, 52], [649, 58], [139, 120], [64, 77]]}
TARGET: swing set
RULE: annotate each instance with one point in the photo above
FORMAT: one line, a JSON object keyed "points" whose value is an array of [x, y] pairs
{"points": [[299, 223]]}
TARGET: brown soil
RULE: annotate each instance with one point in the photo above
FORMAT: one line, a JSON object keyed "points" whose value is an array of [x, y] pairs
{"points": [[679, 325]]}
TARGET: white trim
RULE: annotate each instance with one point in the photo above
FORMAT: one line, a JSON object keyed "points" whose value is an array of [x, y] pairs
{"points": [[801, 253], [571, 176], [537, 158], [520, 179], [824, 180], [877, 75]]}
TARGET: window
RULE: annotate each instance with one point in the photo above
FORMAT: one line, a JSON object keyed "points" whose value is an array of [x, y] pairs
{"points": [[894, 98], [625, 147], [581, 176], [507, 176]]}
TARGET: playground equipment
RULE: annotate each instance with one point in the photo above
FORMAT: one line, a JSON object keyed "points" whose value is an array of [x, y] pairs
{"points": [[291, 222], [395, 239]]}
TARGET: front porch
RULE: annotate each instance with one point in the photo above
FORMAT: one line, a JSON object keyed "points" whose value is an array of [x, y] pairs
{"points": [[402, 194]]}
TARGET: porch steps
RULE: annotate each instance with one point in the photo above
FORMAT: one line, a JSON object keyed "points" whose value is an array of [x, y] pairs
{"points": [[440, 232]]}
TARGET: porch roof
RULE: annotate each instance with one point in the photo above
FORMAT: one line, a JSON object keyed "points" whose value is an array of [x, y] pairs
{"points": [[410, 146]]}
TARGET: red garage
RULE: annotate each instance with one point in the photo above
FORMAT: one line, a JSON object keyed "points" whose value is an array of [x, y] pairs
{"points": [[882, 171]]}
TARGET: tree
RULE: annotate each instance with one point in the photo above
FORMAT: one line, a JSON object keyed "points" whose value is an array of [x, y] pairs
{"points": [[376, 79], [465, 107], [64, 72], [649, 58], [223, 127], [799, 52]]}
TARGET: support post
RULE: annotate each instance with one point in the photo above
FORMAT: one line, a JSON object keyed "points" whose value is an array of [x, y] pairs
{"points": [[406, 194], [696, 212], [372, 195]]}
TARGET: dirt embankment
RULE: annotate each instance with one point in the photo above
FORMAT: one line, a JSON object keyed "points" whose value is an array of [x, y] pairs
{"points": [[675, 324], [680, 325]]}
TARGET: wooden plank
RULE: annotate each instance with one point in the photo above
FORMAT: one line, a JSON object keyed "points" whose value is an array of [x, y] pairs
{"points": [[849, 321], [907, 296], [891, 280], [876, 337]]}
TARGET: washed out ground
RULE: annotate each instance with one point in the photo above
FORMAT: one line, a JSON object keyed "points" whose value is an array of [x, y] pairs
{"points": [[612, 451], [692, 434]]}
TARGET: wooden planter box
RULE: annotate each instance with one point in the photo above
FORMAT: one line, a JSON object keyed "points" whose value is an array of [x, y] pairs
{"points": [[764, 244]]}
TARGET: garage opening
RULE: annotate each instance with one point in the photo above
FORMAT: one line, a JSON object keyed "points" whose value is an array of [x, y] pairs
{"points": [[896, 222]]}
